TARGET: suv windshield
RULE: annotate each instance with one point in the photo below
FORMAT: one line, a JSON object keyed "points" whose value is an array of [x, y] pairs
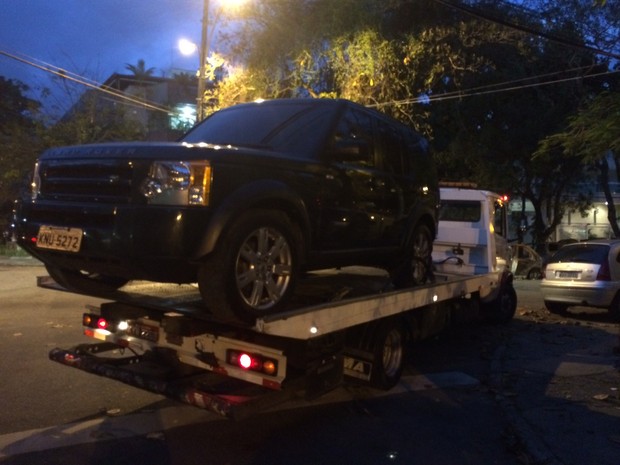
{"points": [[583, 253], [277, 126]]}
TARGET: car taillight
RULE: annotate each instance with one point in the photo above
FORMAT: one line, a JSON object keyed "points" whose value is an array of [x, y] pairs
{"points": [[604, 274], [93, 321]]}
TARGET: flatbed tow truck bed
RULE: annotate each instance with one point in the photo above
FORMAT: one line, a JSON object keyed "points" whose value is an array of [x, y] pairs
{"points": [[174, 349]]}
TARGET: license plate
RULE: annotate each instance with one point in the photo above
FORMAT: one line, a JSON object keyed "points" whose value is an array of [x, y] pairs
{"points": [[568, 274], [58, 238]]}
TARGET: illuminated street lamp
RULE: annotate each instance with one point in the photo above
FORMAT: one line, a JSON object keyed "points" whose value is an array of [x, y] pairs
{"points": [[204, 52], [187, 47]]}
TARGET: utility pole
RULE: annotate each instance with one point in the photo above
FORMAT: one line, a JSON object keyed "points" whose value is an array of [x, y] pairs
{"points": [[204, 51]]}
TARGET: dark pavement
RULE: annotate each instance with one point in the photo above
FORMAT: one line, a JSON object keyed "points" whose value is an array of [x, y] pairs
{"points": [[548, 393], [558, 381]]}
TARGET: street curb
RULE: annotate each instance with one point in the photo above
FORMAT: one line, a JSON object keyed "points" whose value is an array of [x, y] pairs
{"points": [[19, 261], [534, 447]]}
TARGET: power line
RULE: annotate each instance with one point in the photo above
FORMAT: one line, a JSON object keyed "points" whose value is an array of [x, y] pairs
{"points": [[526, 29], [486, 90], [68, 75]]}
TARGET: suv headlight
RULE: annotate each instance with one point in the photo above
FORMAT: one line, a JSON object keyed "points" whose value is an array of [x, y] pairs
{"points": [[178, 183]]}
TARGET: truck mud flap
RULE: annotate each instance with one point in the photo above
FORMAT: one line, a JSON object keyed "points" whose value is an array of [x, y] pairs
{"points": [[227, 397]]}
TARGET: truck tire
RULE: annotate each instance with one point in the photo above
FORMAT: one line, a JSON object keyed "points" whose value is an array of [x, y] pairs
{"points": [[85, 283], [556, 308], [416, 267], [502, 309], [254, 268], [614, 308], [388, 348]]}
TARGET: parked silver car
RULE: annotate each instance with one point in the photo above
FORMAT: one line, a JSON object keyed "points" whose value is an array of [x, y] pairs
{"points": [[583, 274], [526, 262]]}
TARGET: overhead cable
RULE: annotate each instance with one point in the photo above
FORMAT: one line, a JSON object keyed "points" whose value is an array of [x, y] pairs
{"points": [[68, 75]]}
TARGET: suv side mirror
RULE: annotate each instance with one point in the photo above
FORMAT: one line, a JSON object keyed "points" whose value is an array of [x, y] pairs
{"points": [[350, 151]]}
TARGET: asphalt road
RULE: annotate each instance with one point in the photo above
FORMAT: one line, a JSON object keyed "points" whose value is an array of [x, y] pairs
{"points": [[477, 394]]}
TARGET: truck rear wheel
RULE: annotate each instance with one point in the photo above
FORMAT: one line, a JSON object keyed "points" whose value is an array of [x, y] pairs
{"points": [[557, 308], [388, 349], [254, 268], [502, 309], [614, 308]]}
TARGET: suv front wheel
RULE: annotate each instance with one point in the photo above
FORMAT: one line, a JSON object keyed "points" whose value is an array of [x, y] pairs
{"points": [[85, 283], [254, 269]]}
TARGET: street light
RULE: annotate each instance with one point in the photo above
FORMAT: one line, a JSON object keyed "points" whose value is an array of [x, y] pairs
{"points": [[204, 52], [187, 47], [202, 61]]}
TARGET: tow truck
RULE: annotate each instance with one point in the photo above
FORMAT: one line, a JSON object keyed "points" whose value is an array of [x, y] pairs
{"points": [[345, 326]]}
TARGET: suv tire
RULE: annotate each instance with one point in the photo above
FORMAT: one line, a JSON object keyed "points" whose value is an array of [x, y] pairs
{"points": [[85, 283], [416, 268], [254, 268]]}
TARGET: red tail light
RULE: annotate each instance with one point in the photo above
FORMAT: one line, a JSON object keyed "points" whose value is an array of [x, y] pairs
{"points": [[604, 274], [252, 362]]}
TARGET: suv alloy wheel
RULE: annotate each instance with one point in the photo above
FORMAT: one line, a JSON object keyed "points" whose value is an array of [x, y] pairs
{"points": [[254, 271]]}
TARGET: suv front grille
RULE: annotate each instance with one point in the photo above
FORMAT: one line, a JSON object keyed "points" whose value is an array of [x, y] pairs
{"points": [[102, 181]]}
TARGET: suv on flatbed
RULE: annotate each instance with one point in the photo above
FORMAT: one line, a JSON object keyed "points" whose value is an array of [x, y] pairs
{"points": [[245, 202]]}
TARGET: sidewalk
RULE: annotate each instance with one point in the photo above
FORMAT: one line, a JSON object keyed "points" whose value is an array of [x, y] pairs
{"points": [[19, 261], [558, 382]]}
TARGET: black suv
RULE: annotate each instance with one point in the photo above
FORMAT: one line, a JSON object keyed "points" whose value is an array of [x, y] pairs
{"points": [[245, 202]]}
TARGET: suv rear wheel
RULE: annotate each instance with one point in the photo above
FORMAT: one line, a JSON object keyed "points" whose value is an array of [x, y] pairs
{"points": [[416, 266], [253, 271]]}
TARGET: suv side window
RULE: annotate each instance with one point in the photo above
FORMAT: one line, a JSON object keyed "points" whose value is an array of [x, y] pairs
{"points": [[355, 129], [390, 147], [417, 157]]}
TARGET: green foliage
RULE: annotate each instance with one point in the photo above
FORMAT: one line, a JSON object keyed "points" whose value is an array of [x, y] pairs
{"points": [[593, 131], [366, 68], [591, 137], [19, 141], [94, 119], [23, 137], [442, 71], [139, 70]]}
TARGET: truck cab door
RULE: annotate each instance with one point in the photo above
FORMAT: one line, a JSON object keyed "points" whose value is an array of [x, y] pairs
{"points": [[499, 222]]}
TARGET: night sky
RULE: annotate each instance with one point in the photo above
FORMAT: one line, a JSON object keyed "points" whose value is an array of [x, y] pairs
{"points": [[96, 38]]}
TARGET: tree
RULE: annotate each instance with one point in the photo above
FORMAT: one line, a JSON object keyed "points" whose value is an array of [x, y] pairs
{"points": [[140, 71], [19, 141], [593, 136], [490, 136], [484, 83], [93, 119]]}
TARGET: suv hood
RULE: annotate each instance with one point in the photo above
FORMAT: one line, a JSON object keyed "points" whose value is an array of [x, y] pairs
{"points": [[153, 151]]}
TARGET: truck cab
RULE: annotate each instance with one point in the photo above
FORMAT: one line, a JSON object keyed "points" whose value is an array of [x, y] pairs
{"points": [[472, 232]]}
